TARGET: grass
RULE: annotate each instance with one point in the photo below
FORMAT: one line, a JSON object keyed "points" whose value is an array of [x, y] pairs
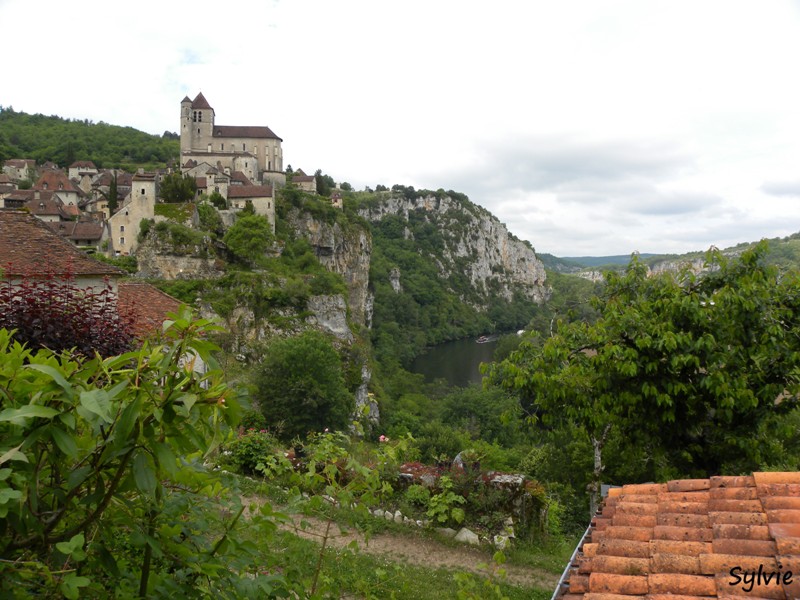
{"points": [[347, 572]]}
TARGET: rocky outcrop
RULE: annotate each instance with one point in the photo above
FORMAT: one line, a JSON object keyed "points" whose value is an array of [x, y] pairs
{"points": [[329, 313], [156, 260], [342, 250], [476, 244]]}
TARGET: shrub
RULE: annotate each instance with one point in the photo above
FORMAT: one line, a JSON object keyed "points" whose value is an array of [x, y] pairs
{"points": [[52, 312], [250, 449]]}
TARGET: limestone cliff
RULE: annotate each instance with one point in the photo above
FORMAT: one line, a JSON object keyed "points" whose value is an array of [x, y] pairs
{"points": [[474, 243], [345, 250]]}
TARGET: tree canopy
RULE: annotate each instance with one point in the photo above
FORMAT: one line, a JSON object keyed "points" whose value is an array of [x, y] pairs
{"points": [[176, 187], [300, 386], [694, 369], [249, 238]]}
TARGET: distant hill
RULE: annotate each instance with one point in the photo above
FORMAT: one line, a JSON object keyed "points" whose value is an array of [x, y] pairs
{"points": [[64, 141], [784, 252]]}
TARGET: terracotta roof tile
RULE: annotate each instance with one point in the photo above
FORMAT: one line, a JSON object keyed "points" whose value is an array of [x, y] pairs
{"points": [[146, 306], [29, 247], [611, 583], [680, 583], [732, 481], [675, 563], [688, 485], [705, 530]]}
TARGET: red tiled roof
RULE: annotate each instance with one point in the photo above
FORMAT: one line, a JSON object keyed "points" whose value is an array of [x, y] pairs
{"points": [[20, 163], [29, 247], [146, 306], [55, 181], [244, 131], [5, 178], [250, 191], [82, 164], [693, 538], [78, 230], [200, 101], [241, 178]]}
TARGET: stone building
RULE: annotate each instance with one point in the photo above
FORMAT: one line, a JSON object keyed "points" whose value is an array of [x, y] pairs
{"points": [[255, 151], [123, 225]]}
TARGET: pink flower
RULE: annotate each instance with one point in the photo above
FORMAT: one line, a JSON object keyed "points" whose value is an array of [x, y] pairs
{"points": [[383, 438]]}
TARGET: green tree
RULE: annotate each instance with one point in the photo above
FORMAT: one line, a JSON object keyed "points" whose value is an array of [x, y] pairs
{"points": [[300, 386], [249, 238], [689, 368], [102, 483], [177, 188]]}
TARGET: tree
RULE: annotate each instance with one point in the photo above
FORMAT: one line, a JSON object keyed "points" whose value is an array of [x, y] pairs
{"points": [[177, 188], [300, 387], [249, 238], [689, 368]]}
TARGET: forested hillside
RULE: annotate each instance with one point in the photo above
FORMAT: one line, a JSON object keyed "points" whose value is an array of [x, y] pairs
{"points": [[63, 141]]}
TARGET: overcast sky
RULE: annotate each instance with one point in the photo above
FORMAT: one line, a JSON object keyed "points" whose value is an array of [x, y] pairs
{"points": [[589, 127]]}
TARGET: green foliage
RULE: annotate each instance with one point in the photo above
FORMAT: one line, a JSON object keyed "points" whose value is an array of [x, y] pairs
{"points": [[63, 141], [180, 213], [249, 239], [126, 263], [444, 507], [418, 494], [687, 368], [210, 220], [218, 200], [181, 239], [251, 448], [300, 387], [177, 188], [102, 481], [144, 228]]}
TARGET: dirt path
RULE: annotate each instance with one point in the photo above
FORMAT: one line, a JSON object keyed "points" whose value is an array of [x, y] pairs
{"points": [[416, 550]]}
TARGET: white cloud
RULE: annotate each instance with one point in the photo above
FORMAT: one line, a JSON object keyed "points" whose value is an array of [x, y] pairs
{"points": [[589, 128]]}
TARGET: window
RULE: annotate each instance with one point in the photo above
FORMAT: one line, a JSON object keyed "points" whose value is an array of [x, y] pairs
{"points": [[122, 241], [221, 147], [194, 116], [122, 228], [244, 147], [199, 116], [142, 191]]}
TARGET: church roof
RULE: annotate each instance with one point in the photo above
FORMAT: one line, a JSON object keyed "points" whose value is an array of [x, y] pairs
{"points": [[244, 131], [201, 102]]}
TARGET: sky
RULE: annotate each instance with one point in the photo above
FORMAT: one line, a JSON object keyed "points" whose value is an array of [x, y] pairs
{"points": [[589, 127]]}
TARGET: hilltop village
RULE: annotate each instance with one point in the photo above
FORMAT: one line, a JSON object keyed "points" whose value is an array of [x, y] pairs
{"points": [[100, 210]]}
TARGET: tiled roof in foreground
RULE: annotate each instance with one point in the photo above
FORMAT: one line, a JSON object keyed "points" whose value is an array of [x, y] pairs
{"points": [[722, 537]]}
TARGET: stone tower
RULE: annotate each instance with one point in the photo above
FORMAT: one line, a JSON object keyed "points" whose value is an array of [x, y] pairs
{"points": [[197, 124]]}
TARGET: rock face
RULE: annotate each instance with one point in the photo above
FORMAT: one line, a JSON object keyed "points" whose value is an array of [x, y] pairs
{"points": [[157, 260], [330, 314], [343, 251], [475, 244]]}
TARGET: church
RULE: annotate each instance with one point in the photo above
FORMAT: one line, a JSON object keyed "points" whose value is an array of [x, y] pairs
{"points": [[254, 151]]}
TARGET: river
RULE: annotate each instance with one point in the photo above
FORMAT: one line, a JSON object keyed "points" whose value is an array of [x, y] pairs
{"points": [[457, 362]]}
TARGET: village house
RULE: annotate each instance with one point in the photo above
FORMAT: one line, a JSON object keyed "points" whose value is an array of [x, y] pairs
{"points": [[19, 169], [307, 183], [254, 150], [30, 248]]}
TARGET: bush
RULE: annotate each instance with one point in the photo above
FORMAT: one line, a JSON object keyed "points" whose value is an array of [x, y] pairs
{"points": [[250, 449], [54, 313]]}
